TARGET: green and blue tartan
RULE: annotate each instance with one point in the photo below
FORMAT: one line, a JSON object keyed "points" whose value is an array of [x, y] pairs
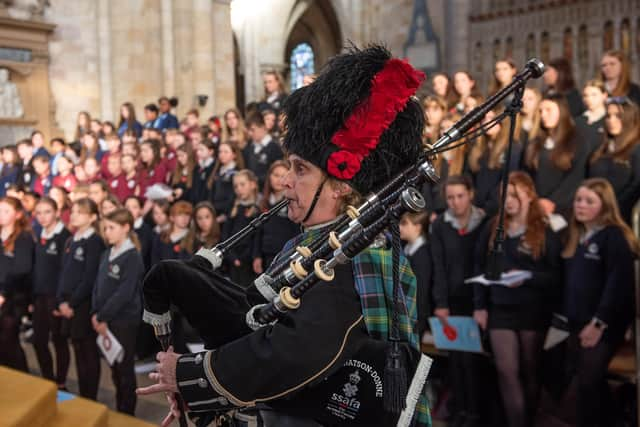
{"points": [[373, 277]]}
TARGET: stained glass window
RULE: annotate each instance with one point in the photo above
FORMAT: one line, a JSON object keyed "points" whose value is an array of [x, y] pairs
{"points": [[301, 64]]}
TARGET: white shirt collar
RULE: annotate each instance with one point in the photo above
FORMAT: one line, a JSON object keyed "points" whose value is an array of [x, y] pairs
{"points": [[271, 98], [84, 235], [205, 164], [588, 234], [258, 146], [477, 215], [229, 166], [124, 247], [57, 229], [175, 238], [412, 248], [138, 223], [160, 228], [592, 118]]}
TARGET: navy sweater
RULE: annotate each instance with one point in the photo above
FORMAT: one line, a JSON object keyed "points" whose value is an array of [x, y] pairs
{"points": [[260, 162], [452, 257], [199, 189], [79, 269], [222, 195], [48, 263], [161, 250], [145, 236], [271, 237], [16, 265], [232, 225], [118, 290], [599, 281], [624, 177], [557, 185]]}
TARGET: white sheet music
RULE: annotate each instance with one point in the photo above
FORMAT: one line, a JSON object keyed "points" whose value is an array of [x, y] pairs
{"points": [[506, 279], [110, 348]]}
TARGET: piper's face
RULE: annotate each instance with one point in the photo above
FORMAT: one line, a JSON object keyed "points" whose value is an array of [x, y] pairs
{"points": [[301, 183]]}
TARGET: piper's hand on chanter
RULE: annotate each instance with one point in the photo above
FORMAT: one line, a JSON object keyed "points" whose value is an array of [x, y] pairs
{"points": [[174, 411], [165, 377], [164, 374]]}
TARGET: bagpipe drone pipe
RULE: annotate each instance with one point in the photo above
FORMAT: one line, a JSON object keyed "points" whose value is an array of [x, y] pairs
{"points": [[221, 311]]}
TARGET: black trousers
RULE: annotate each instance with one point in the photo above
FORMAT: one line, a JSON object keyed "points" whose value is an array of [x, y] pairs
{"points": [[123, 373], [85, 349], [589, 380], [11, 352], [45, 326]]}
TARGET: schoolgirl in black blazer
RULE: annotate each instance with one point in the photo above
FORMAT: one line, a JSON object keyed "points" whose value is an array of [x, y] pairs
{"points": [[16, 262], [518, 315], [618, 157], [77, 279], [117, 301], [49, 252], [599, 293]]}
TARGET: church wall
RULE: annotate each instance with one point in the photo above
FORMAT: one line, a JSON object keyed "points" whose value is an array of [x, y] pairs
{"points": [[107, 52], [73, 68]]}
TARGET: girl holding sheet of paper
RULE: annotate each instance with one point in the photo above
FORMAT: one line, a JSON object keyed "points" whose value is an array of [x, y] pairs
{"points": [[518, 315], [599, 292], [453, 238], [117, 301]]}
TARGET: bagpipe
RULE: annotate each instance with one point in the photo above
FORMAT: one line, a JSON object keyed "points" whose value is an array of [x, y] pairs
{"points": [[222, 311]]}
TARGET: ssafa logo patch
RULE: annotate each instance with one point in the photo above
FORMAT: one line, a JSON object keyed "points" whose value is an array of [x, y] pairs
{"points": [[79, 254]]}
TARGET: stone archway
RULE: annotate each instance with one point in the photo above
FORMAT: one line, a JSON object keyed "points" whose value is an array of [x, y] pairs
{"points": [[316, 24]]}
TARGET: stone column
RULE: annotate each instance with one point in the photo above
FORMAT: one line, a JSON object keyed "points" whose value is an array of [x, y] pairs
{"points": [[224, 93], [104, 60], [168, 56], [203, 48]]}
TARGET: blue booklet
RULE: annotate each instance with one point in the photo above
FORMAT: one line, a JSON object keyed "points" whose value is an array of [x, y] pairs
{"points": [[460, 334]]}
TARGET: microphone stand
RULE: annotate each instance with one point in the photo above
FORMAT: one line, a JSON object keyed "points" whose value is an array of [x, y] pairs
{"points": [[495, 264]]}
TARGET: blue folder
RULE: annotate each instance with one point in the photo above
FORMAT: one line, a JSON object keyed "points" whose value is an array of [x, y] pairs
{"points": [[463, 334]]}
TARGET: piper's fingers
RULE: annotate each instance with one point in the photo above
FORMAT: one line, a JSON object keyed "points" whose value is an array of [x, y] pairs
{"points": [[153, 388], [168, 420], [154, 376]]}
